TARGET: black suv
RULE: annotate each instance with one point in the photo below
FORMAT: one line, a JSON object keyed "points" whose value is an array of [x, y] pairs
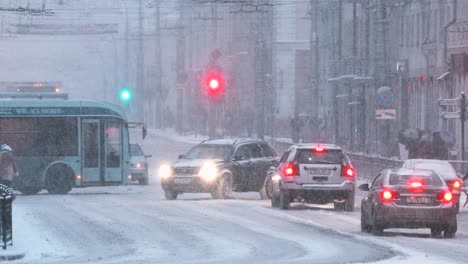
{"points": [[221, 166]]}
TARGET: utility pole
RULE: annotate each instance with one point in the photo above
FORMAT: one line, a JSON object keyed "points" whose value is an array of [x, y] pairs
{"points": [[180, 64], [127, 55], [314, 76], [140, 98], [262, 62], [212, 106], [158, 73]]}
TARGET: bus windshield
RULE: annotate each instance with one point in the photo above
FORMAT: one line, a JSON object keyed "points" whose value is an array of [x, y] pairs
{"points": [[135, 150]]}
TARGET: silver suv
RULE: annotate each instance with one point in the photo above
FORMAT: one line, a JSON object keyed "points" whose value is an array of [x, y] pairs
{"points": [[314, 173]]}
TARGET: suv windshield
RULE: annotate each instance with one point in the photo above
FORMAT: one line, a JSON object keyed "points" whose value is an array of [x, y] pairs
{"points": [[432, 180], [308, 156], [207, 151], [135, 150]]}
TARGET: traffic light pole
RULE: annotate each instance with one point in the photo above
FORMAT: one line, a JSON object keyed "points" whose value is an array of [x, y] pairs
{"points": [[463, 119], [211, 119]]}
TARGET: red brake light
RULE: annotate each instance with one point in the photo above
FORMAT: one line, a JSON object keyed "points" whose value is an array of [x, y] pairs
{"points": [[389, 195], [448, 196], [445, 196], [456, 184], [319, 149], [290, 170], [416, 184], [348, 171]]}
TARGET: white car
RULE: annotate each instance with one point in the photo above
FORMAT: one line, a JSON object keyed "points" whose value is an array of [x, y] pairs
{"points": [[139, 169]]}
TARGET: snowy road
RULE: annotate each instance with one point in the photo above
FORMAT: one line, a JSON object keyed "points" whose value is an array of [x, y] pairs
{"points": [[135, 224]]}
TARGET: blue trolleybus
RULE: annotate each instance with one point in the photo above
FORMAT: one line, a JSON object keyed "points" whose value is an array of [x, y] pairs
{"points": [[60, 144]]}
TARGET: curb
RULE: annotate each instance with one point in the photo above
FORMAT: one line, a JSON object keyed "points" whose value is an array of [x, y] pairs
{"points": [[11, 256]]}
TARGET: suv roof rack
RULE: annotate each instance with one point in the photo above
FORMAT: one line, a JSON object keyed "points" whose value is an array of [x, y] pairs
{"points": [[7, 95]]}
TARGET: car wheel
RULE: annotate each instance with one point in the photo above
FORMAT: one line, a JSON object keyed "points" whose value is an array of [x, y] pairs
{"points": [[377, 228], [170, 194], [267, 189], [339, 206], [451, 228], [143, 181], [284, 199], [275, 200], [436, 232], [223, 188], [364, 225], [349, 203]]}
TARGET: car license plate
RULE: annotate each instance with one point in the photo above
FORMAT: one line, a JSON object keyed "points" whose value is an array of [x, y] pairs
{"points": [[418, 200], [182, 180], [318, 171], [320, 178]]}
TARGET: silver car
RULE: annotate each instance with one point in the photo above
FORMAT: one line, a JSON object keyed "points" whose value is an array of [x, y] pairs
{"points": [[139, 165], [314, 173]]}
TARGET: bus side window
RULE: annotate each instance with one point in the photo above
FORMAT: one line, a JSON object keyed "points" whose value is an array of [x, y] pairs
{"points": [[113, 144]]}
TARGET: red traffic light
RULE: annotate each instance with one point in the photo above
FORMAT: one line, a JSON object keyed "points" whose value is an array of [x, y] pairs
{"points": [[214, 83]]}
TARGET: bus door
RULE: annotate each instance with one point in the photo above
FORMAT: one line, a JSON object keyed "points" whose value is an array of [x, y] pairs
{"points": [[91, 154], [113, 151]]}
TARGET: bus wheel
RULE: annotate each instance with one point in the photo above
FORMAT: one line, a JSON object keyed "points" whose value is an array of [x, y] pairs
{"points": [[59, 179], [29, 190]]}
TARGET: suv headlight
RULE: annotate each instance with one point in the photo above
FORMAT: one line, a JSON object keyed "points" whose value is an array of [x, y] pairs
{"points": [[165, 171], [208, 171]]}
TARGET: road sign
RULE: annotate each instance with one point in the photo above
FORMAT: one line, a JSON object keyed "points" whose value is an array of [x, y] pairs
{"points": [[385, 97], [383, 114], [448, 102], [450, 115]]}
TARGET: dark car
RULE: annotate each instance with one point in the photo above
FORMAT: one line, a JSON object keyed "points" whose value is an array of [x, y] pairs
{"points": [[407, 198], [314, 173], [444, 169], [219, 167]]}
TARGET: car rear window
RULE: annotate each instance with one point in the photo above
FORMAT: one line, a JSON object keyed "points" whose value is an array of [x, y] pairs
{"points": [[308, 156], [430, 180]]}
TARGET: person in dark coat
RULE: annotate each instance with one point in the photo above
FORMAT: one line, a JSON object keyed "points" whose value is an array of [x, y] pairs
{"points": [[8, 168]]}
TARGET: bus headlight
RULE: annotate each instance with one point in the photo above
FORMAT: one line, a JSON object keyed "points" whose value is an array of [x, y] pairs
{"points": [[165, 171], [208, 171]]}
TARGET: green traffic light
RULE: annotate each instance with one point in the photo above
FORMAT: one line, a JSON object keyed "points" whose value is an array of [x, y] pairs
{"points": [[125, 95]]}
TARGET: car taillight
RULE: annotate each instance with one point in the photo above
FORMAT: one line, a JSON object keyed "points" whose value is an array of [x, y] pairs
{"points": [[319, 150], [389, 195], [456, 185], [290, 170], [415, 184], [445, 196], [348, 171]]}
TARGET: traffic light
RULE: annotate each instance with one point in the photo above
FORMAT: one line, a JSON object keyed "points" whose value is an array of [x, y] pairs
{"points": [[125, 95], [213, 83]]}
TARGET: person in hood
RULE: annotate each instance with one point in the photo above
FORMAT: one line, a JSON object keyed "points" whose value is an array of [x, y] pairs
{"points": [[8, 168]]}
